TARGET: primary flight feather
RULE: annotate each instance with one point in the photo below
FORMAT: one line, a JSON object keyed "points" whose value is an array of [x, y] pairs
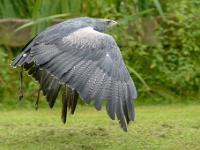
{"points": [[77, 55]]}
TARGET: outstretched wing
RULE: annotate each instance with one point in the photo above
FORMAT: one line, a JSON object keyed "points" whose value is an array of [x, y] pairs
{"points": [[91, 63]]}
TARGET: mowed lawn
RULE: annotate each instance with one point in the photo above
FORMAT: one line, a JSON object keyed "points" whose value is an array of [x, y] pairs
{"points": [[168, 127]]}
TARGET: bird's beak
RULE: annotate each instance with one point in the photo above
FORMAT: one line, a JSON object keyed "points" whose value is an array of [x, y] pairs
{"points": [[113, 23]]}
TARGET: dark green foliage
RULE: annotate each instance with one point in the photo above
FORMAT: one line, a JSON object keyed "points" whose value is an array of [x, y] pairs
{"points": [[176, 59], [10, 83], [166, 69]]}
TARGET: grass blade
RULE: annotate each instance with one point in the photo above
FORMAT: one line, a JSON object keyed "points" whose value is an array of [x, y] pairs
{"points": [[40, 20], [159, 8], [132, 17]]}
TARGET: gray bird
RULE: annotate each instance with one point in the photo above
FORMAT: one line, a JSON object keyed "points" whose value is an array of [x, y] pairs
{"points": [[77, 55]]}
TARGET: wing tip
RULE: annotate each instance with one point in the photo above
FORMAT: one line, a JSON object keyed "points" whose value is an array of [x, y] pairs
{"points": [[132, 89], [63, 119]]}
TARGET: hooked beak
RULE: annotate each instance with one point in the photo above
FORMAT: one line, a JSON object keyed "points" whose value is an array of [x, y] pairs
{"points": [[113, 23]]}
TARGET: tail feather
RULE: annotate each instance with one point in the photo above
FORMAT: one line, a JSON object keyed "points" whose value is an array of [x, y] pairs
{"points": [[69, 101], [64, 106], [53, 92]]}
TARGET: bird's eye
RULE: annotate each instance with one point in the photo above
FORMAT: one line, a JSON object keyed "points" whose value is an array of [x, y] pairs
{"points": [[108, 22]]}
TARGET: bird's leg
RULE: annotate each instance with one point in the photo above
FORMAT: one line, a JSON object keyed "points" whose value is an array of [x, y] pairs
{"points": [[38, 96], [21, 84]]}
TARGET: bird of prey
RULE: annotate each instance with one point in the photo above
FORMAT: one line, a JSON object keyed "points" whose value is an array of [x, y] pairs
{"points": [[78, 56]]}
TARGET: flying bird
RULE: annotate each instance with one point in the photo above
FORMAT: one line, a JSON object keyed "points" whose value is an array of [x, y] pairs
{"points": [[76, 55]]}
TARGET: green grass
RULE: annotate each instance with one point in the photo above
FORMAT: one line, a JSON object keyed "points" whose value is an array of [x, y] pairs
{"points": [[169, 127]]}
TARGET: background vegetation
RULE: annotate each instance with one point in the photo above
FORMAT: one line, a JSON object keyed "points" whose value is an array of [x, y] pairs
{"points": [[159, 41]]}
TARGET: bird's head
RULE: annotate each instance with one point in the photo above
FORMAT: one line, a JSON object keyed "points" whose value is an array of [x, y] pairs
{"points": [[97, 24], [103, 24]]}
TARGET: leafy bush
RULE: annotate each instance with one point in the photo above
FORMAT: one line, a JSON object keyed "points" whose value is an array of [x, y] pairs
{"points": [[10, 81], [174, 68], [164, 71]]}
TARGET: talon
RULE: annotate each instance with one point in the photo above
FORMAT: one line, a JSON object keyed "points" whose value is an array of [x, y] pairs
{"points": [[21, 96], [36, 106]]}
